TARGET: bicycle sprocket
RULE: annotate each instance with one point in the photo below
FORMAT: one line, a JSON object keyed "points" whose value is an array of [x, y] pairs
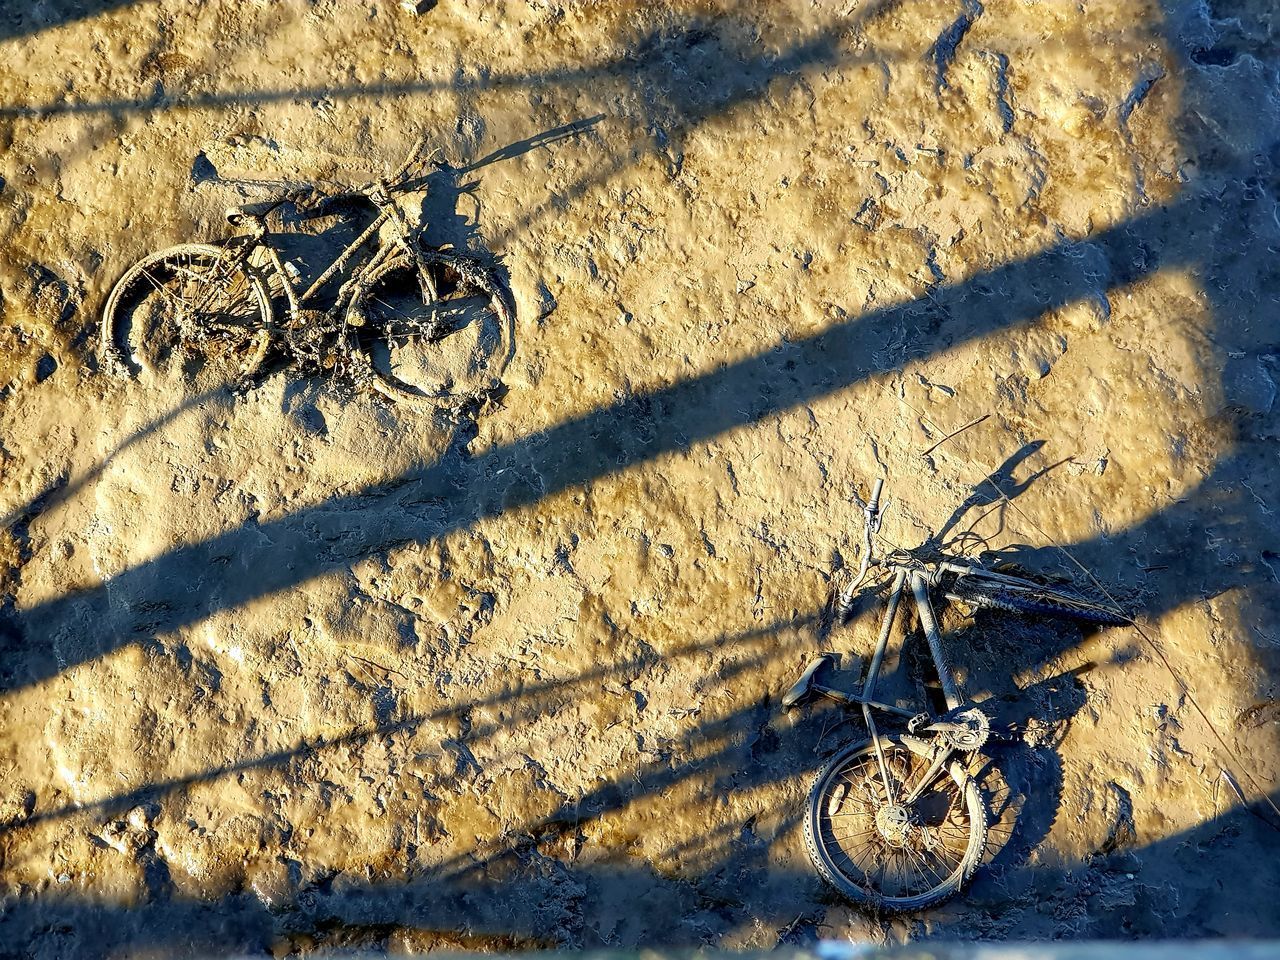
{"points": [[977, 728]]}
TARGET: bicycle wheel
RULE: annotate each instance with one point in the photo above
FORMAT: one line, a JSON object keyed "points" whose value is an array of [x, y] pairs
{"points": [[433, 326], [188, 312], [1036, 599], [894, 857]]}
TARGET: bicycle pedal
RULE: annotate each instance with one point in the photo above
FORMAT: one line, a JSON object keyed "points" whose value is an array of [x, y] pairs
{"points": [[918, 723]]}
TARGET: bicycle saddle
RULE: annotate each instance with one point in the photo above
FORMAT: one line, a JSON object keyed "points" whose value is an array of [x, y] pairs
{"points": [[801, 689], [252, 211]]}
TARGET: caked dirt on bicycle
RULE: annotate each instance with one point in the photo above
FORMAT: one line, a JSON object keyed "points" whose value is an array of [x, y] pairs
{"points": [[900, 821], [792, 258], [387, 312]]}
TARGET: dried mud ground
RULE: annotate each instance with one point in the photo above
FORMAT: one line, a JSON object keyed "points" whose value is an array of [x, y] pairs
{"points": [[296, 669]]}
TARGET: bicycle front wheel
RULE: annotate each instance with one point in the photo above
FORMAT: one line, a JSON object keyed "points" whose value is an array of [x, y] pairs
{"points": [[1035, 599], [882, 852], [435, 325], [191, 312]]}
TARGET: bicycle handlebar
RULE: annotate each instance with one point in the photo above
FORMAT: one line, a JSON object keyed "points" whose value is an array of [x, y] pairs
{"points": [[874, 506], [400, 180], [413, 156]]}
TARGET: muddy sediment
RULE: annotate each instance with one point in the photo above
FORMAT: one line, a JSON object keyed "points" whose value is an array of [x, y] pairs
{"points": [[299, 668]]}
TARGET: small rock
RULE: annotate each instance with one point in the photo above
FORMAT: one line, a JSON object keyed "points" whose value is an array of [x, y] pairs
{"points": [[547, 302], [868, 215], [45, 367]]}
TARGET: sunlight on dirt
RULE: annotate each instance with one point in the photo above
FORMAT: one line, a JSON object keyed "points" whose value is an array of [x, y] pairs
{"points": [[299, 668]]}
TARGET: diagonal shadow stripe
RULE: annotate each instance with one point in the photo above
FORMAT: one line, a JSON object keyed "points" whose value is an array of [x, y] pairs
{"points": [[459, 491], [526, 699], [23, 19], [659, 62]]}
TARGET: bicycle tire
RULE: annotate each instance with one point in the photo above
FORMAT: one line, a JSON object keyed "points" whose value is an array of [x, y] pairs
{"points": [[408, 310], [241, 327], [825, 802], [1034, 599]]}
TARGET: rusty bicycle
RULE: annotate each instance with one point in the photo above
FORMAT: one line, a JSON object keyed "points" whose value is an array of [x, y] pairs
{"points": [[897, 822], [215, 313]]}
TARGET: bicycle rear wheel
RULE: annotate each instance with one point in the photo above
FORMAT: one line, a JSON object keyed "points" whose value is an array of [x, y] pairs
{"points": [[889, 856], [434, 326], [190, 312], [1035, 599]]}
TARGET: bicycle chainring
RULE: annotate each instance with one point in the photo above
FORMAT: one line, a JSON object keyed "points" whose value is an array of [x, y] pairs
{"points": [[320, 346], [311, 340], [977, 730]]}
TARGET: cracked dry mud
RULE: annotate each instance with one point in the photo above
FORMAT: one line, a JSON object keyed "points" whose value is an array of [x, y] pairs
{"points": [[297, 669]]}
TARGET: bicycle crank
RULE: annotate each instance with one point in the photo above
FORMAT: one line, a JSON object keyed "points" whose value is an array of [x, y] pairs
{"points": [[965, 730]]}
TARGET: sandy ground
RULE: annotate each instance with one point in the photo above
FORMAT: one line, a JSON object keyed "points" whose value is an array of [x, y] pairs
{"points": [[295, 669]]}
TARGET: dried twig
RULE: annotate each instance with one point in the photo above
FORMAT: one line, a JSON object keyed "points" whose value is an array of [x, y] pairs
{"points": [[971, 423]]}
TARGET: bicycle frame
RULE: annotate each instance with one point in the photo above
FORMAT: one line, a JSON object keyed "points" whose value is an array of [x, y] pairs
{"points": [[899, 829], [920, 577], [919, 583], [919, 580], [388, 212], [248, 261]]}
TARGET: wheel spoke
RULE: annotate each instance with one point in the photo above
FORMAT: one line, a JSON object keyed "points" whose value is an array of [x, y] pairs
{"points": [[948, 865], [918, 858], [398, 312], [923, 863], [858, 864], [919, 866], [162, 289], [193, 299]]}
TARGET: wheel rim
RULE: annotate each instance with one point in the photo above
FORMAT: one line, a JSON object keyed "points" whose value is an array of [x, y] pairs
{"points": [[192, 317], [899, 854], [442, 335]]}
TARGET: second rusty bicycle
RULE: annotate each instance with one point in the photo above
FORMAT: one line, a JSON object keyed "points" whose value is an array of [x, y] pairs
{"points": [[215, 313]]}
